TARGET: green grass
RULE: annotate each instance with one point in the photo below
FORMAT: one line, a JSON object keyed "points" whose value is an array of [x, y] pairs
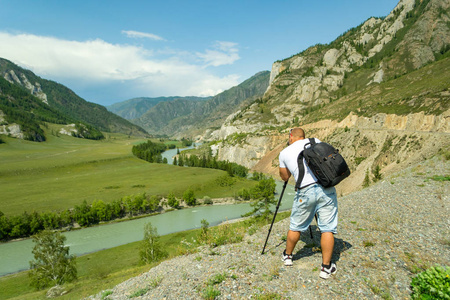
{"points": [[65, 171], [422, 90], [105, 269]]}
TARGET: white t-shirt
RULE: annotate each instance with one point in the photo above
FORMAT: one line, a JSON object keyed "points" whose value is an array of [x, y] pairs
{"points": [[288, 159]]}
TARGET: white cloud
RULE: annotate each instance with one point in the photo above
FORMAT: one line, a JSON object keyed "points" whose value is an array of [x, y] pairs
{"points": [[137, 34], [224, 53], [98, 63]]}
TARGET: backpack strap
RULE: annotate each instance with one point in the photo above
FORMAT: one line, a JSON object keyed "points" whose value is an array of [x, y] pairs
{"points": [[301, 167]]}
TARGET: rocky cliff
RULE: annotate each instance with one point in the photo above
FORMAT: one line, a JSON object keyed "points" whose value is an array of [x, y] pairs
{"points": [[379, 92]]}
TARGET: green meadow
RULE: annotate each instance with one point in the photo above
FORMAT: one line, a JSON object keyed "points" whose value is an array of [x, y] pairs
{"points": [[64, 171]]}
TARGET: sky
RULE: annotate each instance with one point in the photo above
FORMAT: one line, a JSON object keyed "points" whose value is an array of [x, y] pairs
{"points": [[111, 51]]}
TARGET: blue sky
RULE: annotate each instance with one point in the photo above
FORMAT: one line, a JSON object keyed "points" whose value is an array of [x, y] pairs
{"points": [[111, 51]]}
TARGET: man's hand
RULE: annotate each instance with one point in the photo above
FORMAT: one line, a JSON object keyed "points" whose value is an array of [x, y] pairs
{"points": [[284, 174]]}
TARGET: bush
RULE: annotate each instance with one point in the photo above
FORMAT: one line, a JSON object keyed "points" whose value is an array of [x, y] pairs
{"points": [[377, 174], [366, 181], [189, 197], [172, 201], [244, 194], [434, 283], [207, 200]]}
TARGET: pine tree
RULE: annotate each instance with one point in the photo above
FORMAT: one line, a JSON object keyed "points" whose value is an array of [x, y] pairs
{"points": [[263, 195], [366, 181], [377, 174]]}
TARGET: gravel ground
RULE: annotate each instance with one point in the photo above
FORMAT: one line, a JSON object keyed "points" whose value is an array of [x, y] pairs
{"points": [[387, 233]]}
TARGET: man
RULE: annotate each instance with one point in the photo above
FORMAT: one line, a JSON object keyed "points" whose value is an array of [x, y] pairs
{"points": [[310, 199]]}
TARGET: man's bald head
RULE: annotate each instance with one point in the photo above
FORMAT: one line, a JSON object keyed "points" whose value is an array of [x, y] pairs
{"points": [[297, 133]]}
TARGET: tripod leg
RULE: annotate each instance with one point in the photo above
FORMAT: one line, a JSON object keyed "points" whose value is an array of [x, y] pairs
{"points": [[276, 210]]}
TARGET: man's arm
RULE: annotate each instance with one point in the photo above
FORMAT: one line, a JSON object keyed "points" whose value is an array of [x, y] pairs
{"points": [[284, 174]]}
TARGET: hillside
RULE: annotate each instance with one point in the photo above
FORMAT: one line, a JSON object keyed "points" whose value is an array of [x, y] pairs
{"points": [[136, 107], [188, 118], [379, 248], [379, 92], [60, 100]]}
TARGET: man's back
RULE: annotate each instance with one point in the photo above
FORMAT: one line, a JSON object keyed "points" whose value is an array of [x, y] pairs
{"points": [[288, 159]]}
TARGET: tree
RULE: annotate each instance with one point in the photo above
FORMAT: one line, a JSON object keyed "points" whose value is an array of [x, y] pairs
{"points": [[52, 263], [151, 248], [153, 203], [189, 197], [377, 174], [263, 197], [366, 181], [172, 201]]}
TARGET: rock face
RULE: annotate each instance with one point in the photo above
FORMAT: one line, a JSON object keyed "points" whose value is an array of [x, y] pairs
{"points": [[411, 36], [12, 130], [35, 89], [382, 124]]}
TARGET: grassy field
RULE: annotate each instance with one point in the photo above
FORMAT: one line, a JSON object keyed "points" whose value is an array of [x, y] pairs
{"points": [[64, 171], [104, 269]]}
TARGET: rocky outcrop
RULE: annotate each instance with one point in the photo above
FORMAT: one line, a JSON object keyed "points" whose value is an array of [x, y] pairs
{"points": [[358, 70], [12, 130], [35, 89], [317, 75], [68, 129], [390, 141]]}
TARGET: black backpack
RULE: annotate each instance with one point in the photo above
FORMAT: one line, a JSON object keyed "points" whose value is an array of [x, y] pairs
{"points": [[325, 163]]}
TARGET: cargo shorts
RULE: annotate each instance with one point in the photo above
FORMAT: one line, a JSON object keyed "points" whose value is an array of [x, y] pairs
{"points": [[311, 200]]}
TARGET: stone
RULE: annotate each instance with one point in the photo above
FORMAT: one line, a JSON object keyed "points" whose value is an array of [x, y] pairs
{"points": [[56, 291]]}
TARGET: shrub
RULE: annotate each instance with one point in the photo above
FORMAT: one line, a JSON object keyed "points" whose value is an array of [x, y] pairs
{"points": [[366, 181], [189, 197], [377, 174], [207, 200], [210, 293], [172, 201], [203, 236], [434, 283]]}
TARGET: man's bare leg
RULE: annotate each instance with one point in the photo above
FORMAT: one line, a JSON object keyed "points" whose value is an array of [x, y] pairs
{"points": [[327, 245], [292, 239]]}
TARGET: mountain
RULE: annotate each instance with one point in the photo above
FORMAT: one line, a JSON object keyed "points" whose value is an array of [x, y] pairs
{"points": [[188, 118], [56, 100], [136, 107], [379, 92]]}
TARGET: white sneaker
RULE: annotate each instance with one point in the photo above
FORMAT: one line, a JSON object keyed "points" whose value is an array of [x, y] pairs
{"points": [[287, 258], [326, 273]]}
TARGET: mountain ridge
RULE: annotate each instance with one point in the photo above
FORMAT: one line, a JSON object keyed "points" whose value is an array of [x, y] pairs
{"points": [[191, 120], [64, 101], [134, 108], [384, 72]]}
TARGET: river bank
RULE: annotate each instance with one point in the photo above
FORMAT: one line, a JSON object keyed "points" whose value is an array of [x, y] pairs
{"points": [[16, 255], [385, 237]]}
